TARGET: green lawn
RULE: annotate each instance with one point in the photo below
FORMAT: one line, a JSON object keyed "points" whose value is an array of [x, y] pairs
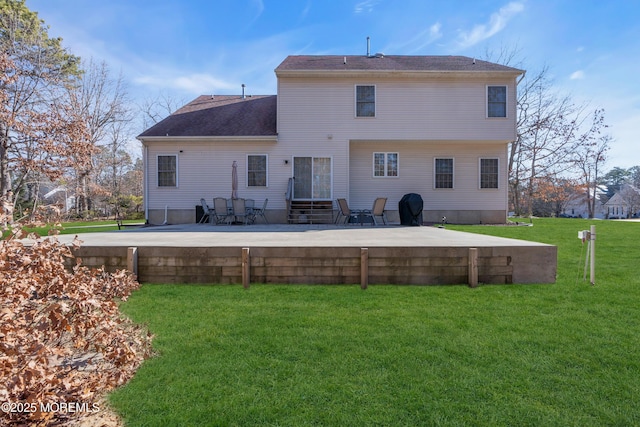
{"points": [[81, 227], [566, 354]]}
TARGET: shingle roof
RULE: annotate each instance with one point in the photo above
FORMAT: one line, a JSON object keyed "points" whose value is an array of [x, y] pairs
{"points": [[235, 116], [220, 115], [389, 63]]}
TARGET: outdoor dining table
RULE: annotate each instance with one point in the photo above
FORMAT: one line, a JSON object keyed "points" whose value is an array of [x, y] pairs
{"points": [[249, 208]]}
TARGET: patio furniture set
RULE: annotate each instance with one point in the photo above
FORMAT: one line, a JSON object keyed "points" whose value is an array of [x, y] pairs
{"points": [[232, 211], [244, 211], [347, 215]]}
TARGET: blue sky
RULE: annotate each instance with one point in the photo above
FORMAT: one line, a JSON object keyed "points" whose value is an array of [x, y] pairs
{"points": [[185, 48]]}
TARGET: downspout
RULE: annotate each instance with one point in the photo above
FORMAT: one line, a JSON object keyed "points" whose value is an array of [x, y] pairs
{"points": [[145, 180]]}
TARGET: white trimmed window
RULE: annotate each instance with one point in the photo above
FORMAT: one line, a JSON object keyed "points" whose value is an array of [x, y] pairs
{"points": [[443, 173], [257, 170], [168, 170], [385, 164], [496, 101], [489, 173], [365, 101]]}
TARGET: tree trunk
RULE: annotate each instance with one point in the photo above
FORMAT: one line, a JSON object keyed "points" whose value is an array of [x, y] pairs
{"points": [[6, 194]]}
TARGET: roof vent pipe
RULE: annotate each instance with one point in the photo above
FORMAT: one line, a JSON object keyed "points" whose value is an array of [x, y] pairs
{"points": [[368, 46], [243, 86]]}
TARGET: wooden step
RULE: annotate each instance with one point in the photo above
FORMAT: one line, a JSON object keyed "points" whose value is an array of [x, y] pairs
{"points": [[310, 212]]}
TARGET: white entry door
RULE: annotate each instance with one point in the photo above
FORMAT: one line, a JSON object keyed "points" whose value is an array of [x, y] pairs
{"points": [[312, 178]]}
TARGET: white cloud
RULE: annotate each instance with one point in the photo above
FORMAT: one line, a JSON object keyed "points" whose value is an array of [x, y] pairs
{"points": [[427, 37], [434, 31], [417, 43], [306, 10], [577, 75], [258, 8], [497, 22], [195, 84], [365, 6]]}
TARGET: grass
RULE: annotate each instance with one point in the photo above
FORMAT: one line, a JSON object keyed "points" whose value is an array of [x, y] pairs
{"points": [[566, 354], [80, 227]]}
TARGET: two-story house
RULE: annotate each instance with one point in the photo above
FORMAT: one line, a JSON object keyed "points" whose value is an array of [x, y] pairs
{"points": [[353, 127], [625, 203]]}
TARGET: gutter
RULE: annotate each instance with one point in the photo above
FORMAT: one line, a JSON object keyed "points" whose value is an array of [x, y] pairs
{"points": [[250, 138], [524, 73], [394, 73]]}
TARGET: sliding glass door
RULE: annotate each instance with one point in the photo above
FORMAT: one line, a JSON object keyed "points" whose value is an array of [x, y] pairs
{"points": [[312, 178]]}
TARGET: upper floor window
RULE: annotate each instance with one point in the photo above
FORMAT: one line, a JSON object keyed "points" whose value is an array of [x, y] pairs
{"points": [[365, 101], [488, 173], [257, 170], [385, 164], [443, 173], [168, 171], [496, 101]]}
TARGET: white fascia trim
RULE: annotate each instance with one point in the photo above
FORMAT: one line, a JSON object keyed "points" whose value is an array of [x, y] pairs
{"points": [[393, 73], [273, 138]]}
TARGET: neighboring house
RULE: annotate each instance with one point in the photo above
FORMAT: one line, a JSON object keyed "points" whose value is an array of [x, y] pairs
{"points": [[354, 127], [576, 207], [625, 203]]}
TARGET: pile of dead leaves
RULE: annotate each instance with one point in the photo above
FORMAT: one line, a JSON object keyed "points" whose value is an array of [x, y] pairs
{"points": [[63, 341]]}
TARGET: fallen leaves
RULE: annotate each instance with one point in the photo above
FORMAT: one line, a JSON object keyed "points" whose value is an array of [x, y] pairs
{"points": [[62, 336]]}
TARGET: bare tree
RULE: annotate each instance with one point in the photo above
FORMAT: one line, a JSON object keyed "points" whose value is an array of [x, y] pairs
{"points": [[102, 102], [112, 165], [548, 133], [590, 155], [155, 109]]}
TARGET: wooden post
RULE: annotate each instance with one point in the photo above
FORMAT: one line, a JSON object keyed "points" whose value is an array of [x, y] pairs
{"points": [[132, 260], [592, 238], [246, 264], [473, 267], [364, 268]]}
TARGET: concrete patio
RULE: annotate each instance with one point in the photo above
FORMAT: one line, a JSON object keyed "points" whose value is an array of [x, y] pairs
{"points": [[317, 254]]}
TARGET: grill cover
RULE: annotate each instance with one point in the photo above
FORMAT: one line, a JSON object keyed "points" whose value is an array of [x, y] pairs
{"points": [[410, 209]]}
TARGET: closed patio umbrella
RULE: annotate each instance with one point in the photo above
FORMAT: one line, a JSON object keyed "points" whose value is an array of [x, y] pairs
{"points": [[234, 180]]}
